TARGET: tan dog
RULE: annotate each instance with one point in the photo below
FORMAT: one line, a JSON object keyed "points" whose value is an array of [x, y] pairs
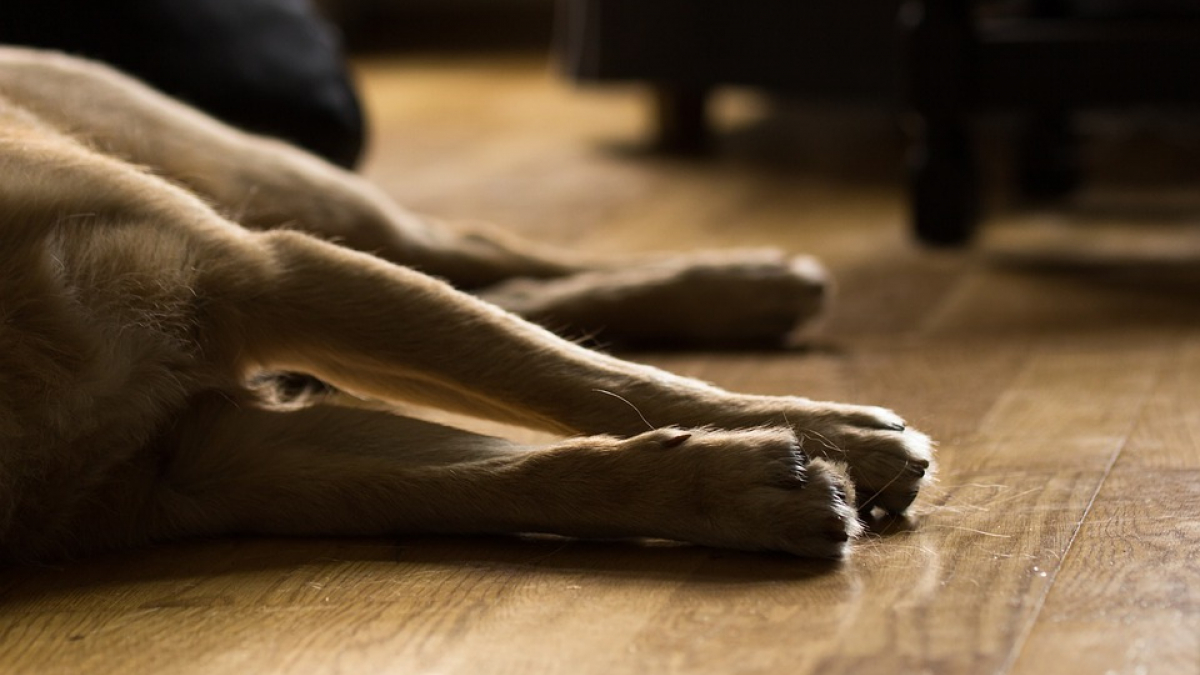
{"points": [[142, 287]]}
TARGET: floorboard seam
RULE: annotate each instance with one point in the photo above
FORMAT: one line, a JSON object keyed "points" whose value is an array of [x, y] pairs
{"points": [[1023, 636]]}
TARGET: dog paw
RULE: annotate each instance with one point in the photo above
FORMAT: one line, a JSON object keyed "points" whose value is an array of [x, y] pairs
{"points": [[726, 298], [888, 461], [753, 490], [745, 296]]}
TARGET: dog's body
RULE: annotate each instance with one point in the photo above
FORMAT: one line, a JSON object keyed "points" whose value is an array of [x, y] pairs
{"points": [[133, 311]]}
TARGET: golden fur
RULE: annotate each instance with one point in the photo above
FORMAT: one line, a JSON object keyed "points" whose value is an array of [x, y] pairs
{"points": [[146, 278]]}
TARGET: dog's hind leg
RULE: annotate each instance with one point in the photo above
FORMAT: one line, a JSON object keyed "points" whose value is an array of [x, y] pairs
{"points": [[334, 471], [258, 182], [264, 184], [732, 296]]}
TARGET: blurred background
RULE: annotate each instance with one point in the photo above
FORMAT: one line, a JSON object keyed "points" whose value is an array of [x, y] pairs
{"points": [[970, 108]]}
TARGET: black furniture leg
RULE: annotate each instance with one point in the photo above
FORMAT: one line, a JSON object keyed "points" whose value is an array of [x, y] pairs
{"points": [[682, 118], [944, 179], [944, 184]]}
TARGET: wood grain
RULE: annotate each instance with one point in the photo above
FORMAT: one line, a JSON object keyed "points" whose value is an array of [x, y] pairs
{"points": [[1127, 597], [1058, 362]]}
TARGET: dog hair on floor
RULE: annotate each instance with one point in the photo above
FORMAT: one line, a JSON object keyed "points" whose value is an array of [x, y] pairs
{"points": [[154, 263]]}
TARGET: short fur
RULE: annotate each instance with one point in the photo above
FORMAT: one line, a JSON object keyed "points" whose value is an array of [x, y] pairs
{"points": [[153, 263]]}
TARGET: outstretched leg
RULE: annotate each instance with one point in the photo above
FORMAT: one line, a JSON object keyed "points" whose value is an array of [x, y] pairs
{"points": [[328, 470], [257, 182], [263, 184], [388, 332]]}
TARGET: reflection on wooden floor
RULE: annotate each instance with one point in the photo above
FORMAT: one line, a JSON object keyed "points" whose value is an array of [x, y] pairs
{"points": [[1058, 363]]}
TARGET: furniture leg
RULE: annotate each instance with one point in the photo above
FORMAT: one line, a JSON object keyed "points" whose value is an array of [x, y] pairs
{"points": [[682, 117]]}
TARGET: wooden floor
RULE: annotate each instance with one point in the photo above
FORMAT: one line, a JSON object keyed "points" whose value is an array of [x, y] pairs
{"points": [[1057, 362]]}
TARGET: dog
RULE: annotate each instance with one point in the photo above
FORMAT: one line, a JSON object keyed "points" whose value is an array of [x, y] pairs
{"points": [[154, 263]]}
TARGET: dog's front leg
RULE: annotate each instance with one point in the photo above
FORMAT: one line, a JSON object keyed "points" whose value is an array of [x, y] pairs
{"points": [[385, 331], [328, 470]]}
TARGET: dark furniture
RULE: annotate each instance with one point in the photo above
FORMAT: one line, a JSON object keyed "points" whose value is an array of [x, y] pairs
{"points": [[1055, 58], [269, 66], [821, 49], [947, 60]]}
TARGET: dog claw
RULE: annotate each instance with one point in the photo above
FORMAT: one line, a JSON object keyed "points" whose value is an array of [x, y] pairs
{"points": [[676, 440]]}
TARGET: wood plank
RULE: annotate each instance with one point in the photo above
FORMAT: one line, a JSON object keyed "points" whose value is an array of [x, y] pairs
{"points": [[1126, 599]]}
